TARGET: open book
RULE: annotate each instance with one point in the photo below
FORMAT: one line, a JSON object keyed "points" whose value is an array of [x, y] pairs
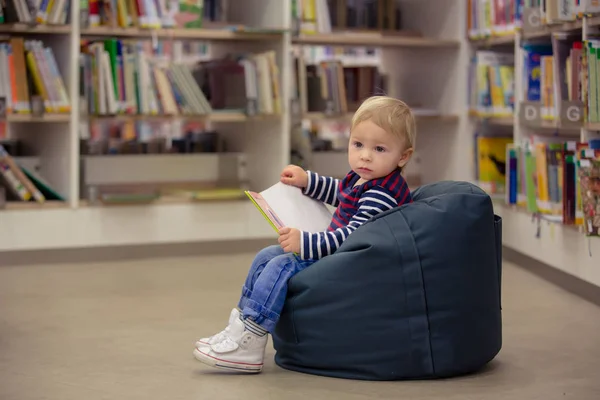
{"points": [[283, 205]]}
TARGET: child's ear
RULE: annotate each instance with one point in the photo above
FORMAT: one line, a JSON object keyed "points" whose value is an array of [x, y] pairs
{"points": [[406, 157]]}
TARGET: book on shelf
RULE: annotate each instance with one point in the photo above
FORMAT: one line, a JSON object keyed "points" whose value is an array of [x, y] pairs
{"points": [[124, 77], [286, 206], [559, 11], [487, 18], [32, 13], [325, 16], [557, 178], [490, 163], [23, 184], [28, 69], [177, 14], [492, 84], [493, 17], [560, 81], [335, 82], [590, 70], [589, 182]]}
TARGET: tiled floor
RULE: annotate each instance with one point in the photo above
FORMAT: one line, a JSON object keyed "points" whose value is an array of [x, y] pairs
{"points": [[125, 331]]}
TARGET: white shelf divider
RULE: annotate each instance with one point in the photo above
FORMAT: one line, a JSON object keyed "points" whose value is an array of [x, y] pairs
{"points": [[413, 64], [559, 246]]}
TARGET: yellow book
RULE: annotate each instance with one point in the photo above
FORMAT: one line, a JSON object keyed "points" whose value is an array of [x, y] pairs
{"points": [[491, 166], [37, 81], [507, 79], [483, 89], [543, 198], [496, 90]]}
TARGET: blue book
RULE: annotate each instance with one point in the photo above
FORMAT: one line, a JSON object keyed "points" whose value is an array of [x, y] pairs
{"points": [[532, 69]]}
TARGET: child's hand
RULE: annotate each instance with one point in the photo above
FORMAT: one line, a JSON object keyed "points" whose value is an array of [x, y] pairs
{"points": [[294, 176], [289, 239]]}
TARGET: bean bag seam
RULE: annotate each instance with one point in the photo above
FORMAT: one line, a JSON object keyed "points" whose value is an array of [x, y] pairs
{"points": [[422, 280]]}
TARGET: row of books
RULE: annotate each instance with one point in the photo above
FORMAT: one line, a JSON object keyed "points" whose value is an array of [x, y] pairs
{"points": [[331, 87], [27, 69], [558, 179], [119, 77], [35, 12], [555, 76], [561, 73], [23, 183], [323, 16], [555, 177], [21, 179], [348, 56], [493, 17], [153, 14], [492, 84], [502, 17]]}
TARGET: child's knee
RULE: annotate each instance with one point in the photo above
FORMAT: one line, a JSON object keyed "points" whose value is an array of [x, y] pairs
{"points": [[269, 253], [286, 261]]}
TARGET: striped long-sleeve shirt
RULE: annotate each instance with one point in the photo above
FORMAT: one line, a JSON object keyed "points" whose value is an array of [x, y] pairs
{"points": [[355, 204]]}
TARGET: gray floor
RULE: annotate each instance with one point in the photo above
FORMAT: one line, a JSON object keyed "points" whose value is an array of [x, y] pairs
{"points": [[125, 331]]}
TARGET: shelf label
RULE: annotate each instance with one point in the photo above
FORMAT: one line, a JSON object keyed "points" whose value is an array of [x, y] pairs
{"points": [[571, 114], [530, 113], [532, 20]]}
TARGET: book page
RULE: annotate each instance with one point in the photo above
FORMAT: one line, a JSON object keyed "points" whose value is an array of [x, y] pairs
{"points": [[266, 210], [292, 208]]}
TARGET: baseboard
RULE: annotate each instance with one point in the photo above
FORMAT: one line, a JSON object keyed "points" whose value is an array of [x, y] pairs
{"points": [[568, 282], [123, 253]]}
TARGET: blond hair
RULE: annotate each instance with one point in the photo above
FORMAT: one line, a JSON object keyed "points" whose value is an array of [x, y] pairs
{"points": [[392, 115]]}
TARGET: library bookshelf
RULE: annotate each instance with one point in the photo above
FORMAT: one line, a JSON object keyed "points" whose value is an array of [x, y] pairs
{"points": [[538, 234], [409, 61]]}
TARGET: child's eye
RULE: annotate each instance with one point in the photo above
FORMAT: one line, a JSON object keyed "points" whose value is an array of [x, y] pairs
{"points": [[358, 144], [379, 149]]}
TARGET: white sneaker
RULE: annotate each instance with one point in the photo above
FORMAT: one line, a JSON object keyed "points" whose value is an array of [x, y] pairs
{"points": [[235, 314], [240, 350]]}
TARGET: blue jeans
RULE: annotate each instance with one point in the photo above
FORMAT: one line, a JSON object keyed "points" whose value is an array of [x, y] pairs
{"points": [[264, 292]]}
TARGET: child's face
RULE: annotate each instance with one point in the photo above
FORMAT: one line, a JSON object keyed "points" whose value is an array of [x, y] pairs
{"points": [[373, 153]]}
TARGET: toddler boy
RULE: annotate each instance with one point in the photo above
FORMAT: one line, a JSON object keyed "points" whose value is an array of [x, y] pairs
{"points": [[382, 139]]}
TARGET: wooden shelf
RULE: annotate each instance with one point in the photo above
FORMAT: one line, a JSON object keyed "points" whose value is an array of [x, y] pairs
{"points": [[592, 126], [36, 29], [563, 247], [493, 40], [214, 117], [555, 28], [145, 224], [186, 197], [372, 39], [500, 121], [32, 205], [199, 34], [42, 118], [507, 120], [545, 31]]}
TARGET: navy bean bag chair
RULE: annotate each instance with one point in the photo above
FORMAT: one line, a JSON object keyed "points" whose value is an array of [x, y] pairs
{"points": [[412, 294]]}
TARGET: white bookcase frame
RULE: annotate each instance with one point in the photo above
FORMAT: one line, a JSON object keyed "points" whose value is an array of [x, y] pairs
{"points": [[413, 64], [563, 247]]}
